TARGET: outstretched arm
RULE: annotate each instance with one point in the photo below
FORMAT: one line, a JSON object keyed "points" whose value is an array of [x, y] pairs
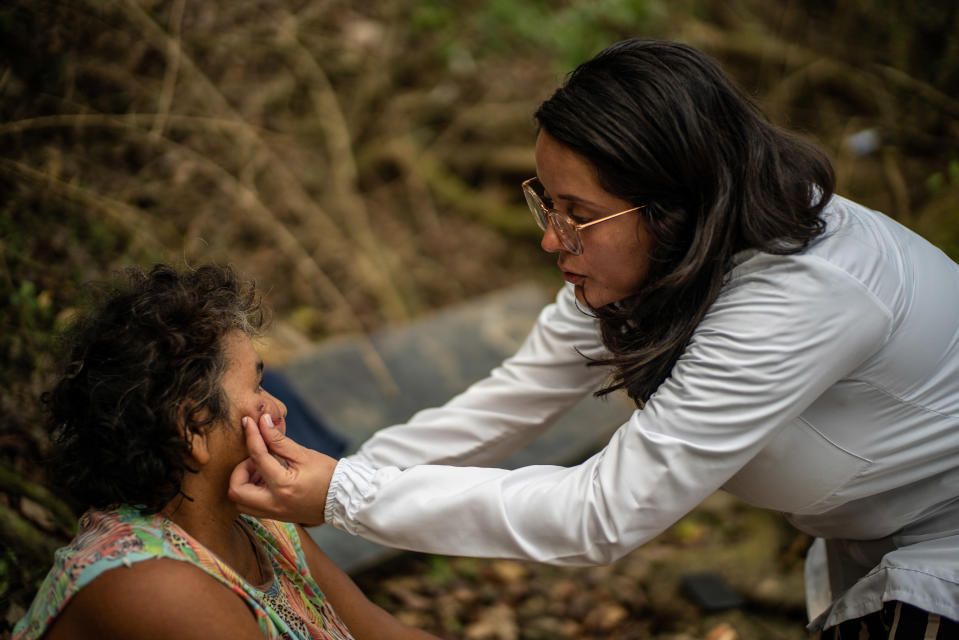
{"points": [[782, 334], [518, 401]]}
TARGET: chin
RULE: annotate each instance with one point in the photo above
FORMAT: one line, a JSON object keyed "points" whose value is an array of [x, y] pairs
{"points": [[593, 300]]}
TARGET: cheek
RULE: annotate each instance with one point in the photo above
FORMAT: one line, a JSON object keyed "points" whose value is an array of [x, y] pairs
{"points": [[616, 273], [636, 271], [234, 442], [635, 259], [623, 266], [250, 405]]}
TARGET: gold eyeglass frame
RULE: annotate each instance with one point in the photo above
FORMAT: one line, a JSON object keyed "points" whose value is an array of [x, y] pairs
{"points": [[566, 229]]}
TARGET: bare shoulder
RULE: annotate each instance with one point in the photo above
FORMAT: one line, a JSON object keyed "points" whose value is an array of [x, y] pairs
{"points": [[153, 599]]}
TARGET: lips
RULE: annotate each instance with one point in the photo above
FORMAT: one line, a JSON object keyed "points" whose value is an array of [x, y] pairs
{"points": [[573, 278]]}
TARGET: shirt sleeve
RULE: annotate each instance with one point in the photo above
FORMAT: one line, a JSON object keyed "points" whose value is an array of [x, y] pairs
{"points": [[782, 331], [518, 400]]}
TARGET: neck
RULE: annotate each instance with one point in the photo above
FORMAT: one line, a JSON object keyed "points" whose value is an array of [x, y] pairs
{"points": [[211, 518]]}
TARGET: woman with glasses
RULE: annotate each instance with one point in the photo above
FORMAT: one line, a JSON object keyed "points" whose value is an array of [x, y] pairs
{"points": [[779, 341]]}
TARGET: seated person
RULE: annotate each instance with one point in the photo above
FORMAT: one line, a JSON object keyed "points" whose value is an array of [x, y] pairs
{"points": [[147, 421]]}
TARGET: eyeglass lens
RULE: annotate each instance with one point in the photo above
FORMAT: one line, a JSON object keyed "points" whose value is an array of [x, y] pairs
{"points": [[565, 229]]}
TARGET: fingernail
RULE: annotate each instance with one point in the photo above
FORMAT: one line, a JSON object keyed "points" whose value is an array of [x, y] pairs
{"points": [[245, 421], [269, 420]]}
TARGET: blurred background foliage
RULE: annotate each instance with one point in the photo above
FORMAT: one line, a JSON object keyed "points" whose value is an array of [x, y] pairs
{"points": [[361, 160]]}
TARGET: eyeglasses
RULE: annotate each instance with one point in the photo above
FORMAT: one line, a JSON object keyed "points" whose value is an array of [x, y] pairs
{"points": [[566, 228]]}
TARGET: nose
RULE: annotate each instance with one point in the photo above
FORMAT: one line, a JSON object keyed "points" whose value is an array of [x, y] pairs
{"points": [[551, 242]]}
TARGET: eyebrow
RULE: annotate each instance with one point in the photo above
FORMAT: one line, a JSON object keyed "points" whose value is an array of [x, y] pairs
{"points": [[571, 198]]}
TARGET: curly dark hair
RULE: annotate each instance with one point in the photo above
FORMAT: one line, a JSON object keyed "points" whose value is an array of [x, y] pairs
{"points": [[664, 127], [142, 375]]}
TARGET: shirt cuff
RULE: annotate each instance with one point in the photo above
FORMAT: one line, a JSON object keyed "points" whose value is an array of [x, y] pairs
{"points": [[350, 487]]}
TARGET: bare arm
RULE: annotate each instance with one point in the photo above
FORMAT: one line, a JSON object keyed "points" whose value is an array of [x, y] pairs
{"points": [[365, 620], [155, 600]]}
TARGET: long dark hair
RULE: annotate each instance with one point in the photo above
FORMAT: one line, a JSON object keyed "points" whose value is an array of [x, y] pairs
{"points": [[141, 375], [664, 127]]}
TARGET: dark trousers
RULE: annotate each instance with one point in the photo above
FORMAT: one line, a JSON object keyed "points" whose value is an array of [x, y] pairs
{"points": [[895, 621]]}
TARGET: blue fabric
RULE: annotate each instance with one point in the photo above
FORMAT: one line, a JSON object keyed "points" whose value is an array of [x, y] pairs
{"points": [[302, 424]]}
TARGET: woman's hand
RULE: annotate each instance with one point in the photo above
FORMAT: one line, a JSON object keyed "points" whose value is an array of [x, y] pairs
{"points": [[280, 480]]}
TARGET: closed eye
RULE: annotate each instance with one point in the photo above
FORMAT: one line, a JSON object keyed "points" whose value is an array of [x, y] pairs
{"points": [[570, 212]]}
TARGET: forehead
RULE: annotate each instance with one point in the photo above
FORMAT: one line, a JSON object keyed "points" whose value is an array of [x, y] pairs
{"points": [[239, 352], [562, 170]]}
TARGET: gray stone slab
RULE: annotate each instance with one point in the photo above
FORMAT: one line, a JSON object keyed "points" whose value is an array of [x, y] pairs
{"points": [[358, 385]]}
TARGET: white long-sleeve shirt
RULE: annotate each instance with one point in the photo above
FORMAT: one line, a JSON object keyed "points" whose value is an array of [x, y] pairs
{"points": [[823, 384]]}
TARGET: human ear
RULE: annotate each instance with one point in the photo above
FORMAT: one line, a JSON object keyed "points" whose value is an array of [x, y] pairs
{"points": [[199, 447], [197, 441]]}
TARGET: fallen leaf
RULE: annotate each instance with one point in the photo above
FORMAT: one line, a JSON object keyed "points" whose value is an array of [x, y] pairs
{"points": [[405, 590], [497, 622], [508, 571], [722, 631], [606, 616], [563, 589]]}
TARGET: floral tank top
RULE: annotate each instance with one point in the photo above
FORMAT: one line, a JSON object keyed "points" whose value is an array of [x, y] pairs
{"points": [[290, 607]]}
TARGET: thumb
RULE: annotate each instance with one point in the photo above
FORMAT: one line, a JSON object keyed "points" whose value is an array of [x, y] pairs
{"points": [[277, 442], [283, 449], [259, 441]]}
